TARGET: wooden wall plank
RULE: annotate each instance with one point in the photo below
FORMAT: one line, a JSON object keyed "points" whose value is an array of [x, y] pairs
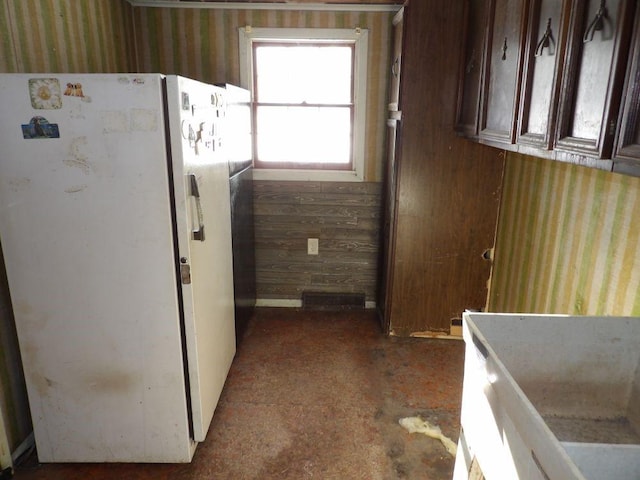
{"points": [[313, 210]]}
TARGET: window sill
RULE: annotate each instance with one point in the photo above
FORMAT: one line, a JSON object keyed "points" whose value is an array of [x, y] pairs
{"points": [[307, 175]]}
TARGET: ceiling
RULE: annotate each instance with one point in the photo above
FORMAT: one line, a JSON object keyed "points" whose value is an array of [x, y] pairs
{"points": [[352, 2]]}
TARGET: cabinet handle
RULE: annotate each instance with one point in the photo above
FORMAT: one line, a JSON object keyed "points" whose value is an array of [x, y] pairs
{"points": [[597, 24], [195, 192], [504, 49], [395, 68], [547, 41]]}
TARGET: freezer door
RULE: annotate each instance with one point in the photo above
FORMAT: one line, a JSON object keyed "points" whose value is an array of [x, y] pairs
{"points": [[203, 222], [87, 235]]}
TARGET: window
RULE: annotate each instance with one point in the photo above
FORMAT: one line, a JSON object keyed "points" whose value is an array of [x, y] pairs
{"points": [[308, 95], [303, 114]]}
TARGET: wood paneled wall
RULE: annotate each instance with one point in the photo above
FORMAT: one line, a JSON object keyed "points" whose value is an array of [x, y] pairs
{"points": [[568, 241], [203, 44], [345, 217], [448, 189], [61, 36]]}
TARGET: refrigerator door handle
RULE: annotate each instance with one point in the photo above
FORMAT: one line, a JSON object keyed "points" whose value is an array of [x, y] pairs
{"points": [[195, 192]]}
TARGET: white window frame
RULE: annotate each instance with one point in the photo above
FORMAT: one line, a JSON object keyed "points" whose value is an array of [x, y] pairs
{"points": [[360, 37]]}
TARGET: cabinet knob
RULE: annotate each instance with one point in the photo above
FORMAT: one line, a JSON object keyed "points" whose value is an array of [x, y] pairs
{"points": [[395, 68]]}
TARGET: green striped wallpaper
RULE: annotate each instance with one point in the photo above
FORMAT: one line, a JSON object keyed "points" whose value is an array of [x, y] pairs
{"points": [[8, 60], [567, 241], [203, 44], [66, 36]]}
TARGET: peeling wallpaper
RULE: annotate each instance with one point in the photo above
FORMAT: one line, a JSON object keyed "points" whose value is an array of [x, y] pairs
{"points": [[203, 44], [568, 240]]}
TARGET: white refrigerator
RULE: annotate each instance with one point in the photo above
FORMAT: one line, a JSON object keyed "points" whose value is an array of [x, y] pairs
{"points": [[115, 229]]}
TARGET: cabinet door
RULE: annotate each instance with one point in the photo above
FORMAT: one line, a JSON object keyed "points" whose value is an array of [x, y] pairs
{"points": [[543, 61], [396, 62], [628, 142], [471, 67], [503, 70], [389, 222], [592, 78]]}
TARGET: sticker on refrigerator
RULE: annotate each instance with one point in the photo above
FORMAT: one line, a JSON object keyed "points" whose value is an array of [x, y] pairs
{"points": [[45, 93], [75, 90], [39, 127], [185, 101]]}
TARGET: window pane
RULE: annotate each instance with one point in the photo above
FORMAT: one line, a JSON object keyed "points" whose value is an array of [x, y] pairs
{"points": [[298, 74], [304, 134]]}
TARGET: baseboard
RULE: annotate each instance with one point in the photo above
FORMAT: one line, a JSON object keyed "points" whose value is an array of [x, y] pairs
{"points": [[332, 301], [26, 445], [5, 452], [293, 303], [278, 302]]}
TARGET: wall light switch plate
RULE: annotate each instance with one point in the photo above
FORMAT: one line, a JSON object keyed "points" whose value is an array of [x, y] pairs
{"points": [[312, 246]]}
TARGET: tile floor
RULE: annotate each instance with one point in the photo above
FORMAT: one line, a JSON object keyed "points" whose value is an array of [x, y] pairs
{"points": [[316, 395]]}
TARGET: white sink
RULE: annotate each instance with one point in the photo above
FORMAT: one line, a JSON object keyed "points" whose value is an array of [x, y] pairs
{"points": [[561, 394], [599, 461]]}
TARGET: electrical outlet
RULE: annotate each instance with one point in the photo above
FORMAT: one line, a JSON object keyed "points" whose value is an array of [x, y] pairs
{"points": [[312, 246]]}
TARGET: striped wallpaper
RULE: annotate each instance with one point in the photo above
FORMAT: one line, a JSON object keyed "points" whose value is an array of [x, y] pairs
{"points": [[65, 36], [203, 44], [568, 240]]}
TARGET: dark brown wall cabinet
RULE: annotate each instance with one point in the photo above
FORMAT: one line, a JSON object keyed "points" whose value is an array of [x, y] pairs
{"points": [[544, 49], [597, 52], [552, 76], [627, 149], [502, 71], [396, 62], [390, 177], [471, 68]]}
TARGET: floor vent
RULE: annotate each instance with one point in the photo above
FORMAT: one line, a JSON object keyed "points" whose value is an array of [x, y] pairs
{"points": [[332, 301]]}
